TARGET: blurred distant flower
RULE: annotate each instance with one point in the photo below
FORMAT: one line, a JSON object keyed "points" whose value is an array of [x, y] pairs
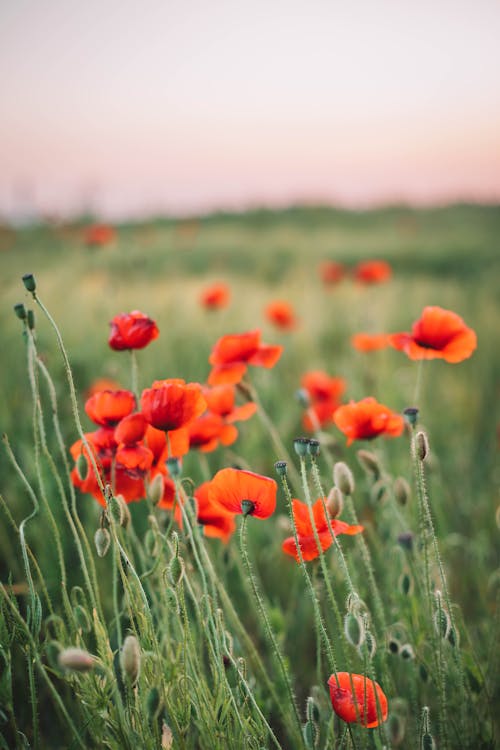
{"points": [[331, 272], [216, 521], [206, 432], [240, 491], [366, 419], [221, 400], [172, 403], [131, 429], [132, 331], [438, 334], [233, 353], [354, 698], [107, 408], [370, 342], [102, 384], [281, 314], [99, 235], [305, 531], [324, 393], [372, 272], [215, 296]]}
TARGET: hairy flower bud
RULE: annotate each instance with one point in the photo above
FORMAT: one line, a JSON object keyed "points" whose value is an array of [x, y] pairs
{"points": [[335, 502], [76, 659], [402, 491], [102, 540], [343, 478], [155, 489], [130, 658], [369, 462], [421, 445]]}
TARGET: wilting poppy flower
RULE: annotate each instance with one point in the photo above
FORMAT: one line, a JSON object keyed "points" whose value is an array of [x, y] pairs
{"points": [[365, 419], [216, 521], [438, 334], [355, 697], [372, 272], [370, 342], [331, 272], [172, 403], [99, 235], [107, 408], [324, 392], [215, 297], [231, 487], [232, 353], [281, 314], [221, 400], [305, 531], [132, 331], [206, 432]]}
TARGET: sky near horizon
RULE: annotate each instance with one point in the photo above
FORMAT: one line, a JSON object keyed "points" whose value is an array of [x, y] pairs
{"points": [[129, 108]]}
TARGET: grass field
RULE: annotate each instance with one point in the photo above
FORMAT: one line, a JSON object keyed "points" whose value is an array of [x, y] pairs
{"points": [[448, 257]]}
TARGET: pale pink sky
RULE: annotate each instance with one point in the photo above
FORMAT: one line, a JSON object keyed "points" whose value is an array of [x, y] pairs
{"points": [[134, 107]]}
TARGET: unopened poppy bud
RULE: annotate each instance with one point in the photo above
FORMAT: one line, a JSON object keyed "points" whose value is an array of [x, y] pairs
{"points": [[402, 491], [126, 517], [300, 445], [406, 583], [115, 509], [175, 570], [30, 317], [20, 311], [82, 467], [411, 415], [167, 737], [170, 595], [343, 478], [29, 282], [174, 467], [313, 447], [369, 462], [302, 396], [76, 659], [150, 543], [281, 468], [53, 649], [354, 629], [369, 645], [311, 735], [312, 710], [335, 502], [155, 489], [130, 658], [405, 540], [82, 618], [428, 742], [153, 703], [421, 445], [406, 652], [395, 728], [102, 540], [379, 493]]}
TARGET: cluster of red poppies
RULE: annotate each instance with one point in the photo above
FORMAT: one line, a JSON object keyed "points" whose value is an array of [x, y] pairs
{"points": [[365, 272]]}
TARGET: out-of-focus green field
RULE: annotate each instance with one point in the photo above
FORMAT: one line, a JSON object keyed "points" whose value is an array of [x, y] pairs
{"points": [[448, 257]]}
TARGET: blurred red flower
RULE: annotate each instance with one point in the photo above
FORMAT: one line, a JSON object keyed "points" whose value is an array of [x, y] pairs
{"points": [[231, 487], [232, 354], [324, 392], [215, 296], [355, 698], [365, 419], [372, 272], [132, 331], [331, 272], [172, 403], [305, 531], [99, 235], [102, 384], [107, 408], [216, 521], [370, 342], [437, 334], [281, 314], [206, 432], [221, 400]]}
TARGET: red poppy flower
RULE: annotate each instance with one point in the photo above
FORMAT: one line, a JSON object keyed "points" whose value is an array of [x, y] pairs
{"points": [[366, 419], [438, 334], [370, 342], [355, 698], [305, 531], [131, 429], [281, 314], [102, 384], [132, 331], [99, 235], [172, 403], [231, 487], [324, 392], [215, 297], [136, 460], [216, 521], [206, 432], [107, 408], [231, 355], [176, 446], [331, 272], [221, 400], [372, 272]]}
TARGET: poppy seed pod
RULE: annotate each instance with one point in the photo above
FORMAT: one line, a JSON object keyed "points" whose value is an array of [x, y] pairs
{"points": [[281, 468], [20, 311], [76, 659], [411, 415], [130, 658], [313, 447], [421, 445], [343, 478], [29, 282], [300, 445]]}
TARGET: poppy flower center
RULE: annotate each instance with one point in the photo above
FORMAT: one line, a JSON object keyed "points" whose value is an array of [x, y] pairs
{"points": [[247, 507]]}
